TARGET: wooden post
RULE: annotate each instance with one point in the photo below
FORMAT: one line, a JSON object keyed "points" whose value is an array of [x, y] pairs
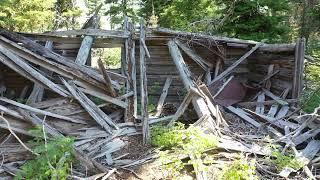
{"points": [[86, 44], [143, 85], [130, 72], [299, 67], [84, 50], [185, 74]]}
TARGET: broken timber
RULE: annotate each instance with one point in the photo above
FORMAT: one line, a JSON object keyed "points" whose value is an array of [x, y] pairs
{"points": [[143, 87], [235, 64], [198, 102]]}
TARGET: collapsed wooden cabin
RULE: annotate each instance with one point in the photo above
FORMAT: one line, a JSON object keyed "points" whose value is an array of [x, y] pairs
{"points": [[49, 75]]}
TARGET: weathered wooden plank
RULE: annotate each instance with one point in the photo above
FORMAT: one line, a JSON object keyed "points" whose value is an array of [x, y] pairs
{"points": [[204, 36], [240, 147], [35, 110], [274, 97], [235, 64], [163, 96], [279, 123], [270, 71], [134, 80], [104, 97], [17, 126], [10, 112], [243, 115], [68, 72], [50, 103], [252, 104], [298, 68], [38, 90], [40, 123], [309, 152], [183, 106], [143, 86], [17, 69], [305, 136], [99, 116], [107, 79], [282, 112], [185, 74], [35, 74], [274, 108], [31, 45], [260, 107], [90, 32], [84, 50], [201, 62], [129, 69], [222, 87]]}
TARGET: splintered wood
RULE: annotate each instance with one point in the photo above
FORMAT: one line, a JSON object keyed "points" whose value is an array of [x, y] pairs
{"points": [[46, 80]]}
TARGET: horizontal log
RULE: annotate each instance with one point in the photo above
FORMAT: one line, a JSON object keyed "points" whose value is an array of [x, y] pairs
{"points": [[268, 103], [203, 36], [90, 32]]}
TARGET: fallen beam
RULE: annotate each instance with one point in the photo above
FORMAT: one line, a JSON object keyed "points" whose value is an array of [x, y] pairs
{"points": [[235, 64], [98, 115], [163, 96], [185, 74], [38, 111]]}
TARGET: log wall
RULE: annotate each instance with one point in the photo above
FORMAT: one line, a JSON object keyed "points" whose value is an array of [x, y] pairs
{"points": [[252, 70], [160, 65]]}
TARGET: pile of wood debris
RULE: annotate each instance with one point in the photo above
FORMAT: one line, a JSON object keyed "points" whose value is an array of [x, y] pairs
{"points": [[103, 132]]}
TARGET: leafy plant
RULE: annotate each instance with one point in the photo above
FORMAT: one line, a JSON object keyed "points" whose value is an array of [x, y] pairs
{"points": [[54, 159], [111, 56], [281, 161], [151, 108], [178, 141], [241, 169]]}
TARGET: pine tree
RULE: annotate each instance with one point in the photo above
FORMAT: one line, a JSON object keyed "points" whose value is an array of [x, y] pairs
{"points": [[26, 15], [66, 14], [257, 19], [177, 14], [118, 9], [93, 4]]}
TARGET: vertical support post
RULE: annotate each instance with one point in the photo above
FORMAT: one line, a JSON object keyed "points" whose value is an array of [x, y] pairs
{"points": [[129, 69], [299, 68], [85, 49], [134, 80], [143, 85]]}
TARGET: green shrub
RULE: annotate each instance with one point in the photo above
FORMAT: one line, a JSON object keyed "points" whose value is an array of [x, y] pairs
{"points": [[112, 57], [312, 101], [240, 170], [177, 141], [281, 161], [54, 159]]}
